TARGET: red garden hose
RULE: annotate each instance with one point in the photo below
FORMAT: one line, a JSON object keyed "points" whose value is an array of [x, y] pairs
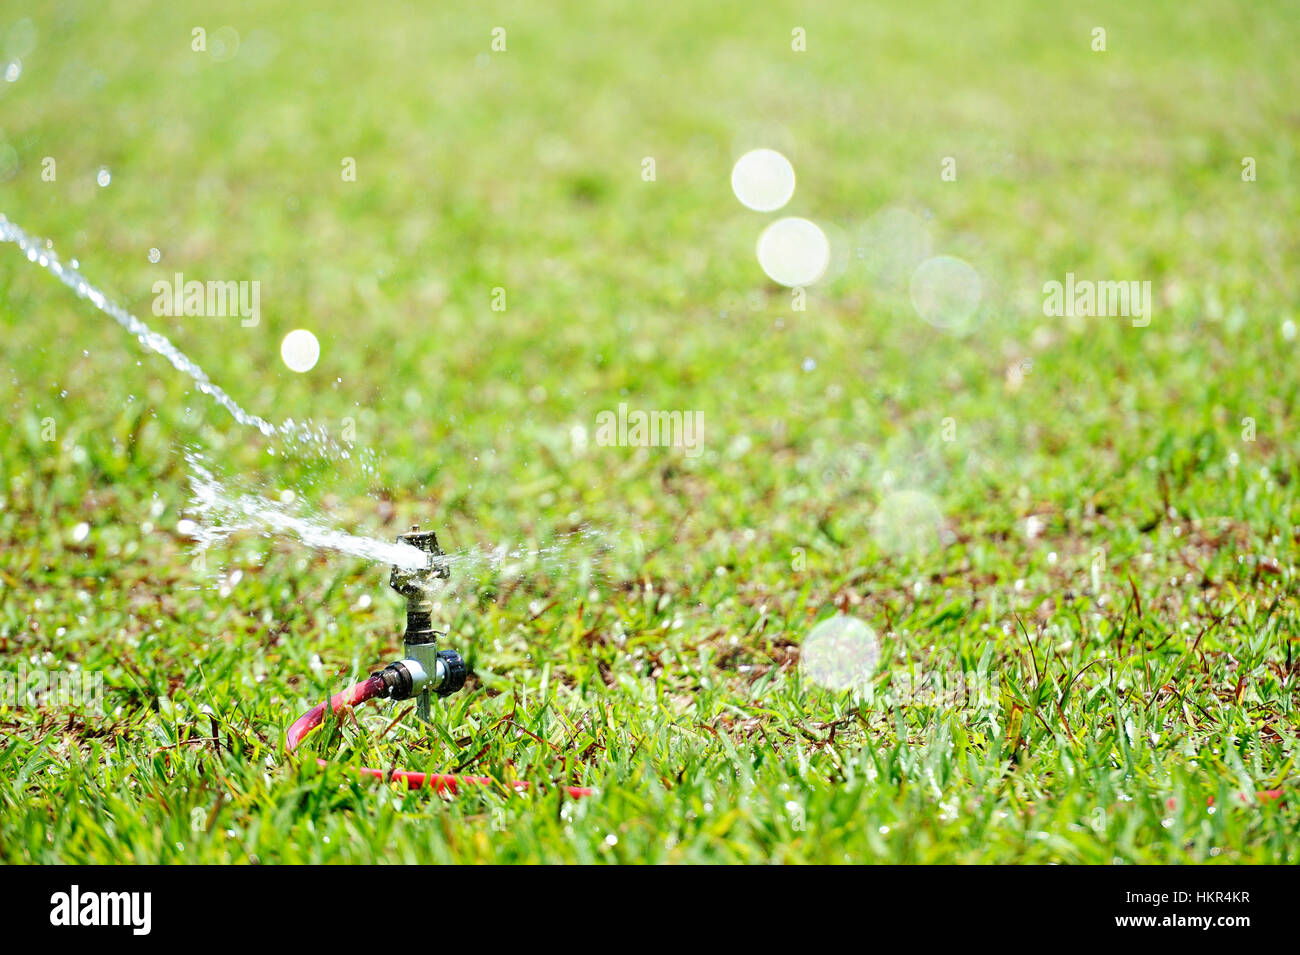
{"points": [[368, 689]]}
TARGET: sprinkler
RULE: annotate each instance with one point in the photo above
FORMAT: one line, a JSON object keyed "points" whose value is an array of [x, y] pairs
{"points": [[444, 670], [424, 671]]}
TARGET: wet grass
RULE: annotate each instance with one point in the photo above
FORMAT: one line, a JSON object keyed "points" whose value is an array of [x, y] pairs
{"points": [[1090, 659]]}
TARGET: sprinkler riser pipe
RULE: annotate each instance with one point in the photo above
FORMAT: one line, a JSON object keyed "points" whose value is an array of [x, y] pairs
{"points": [[445, 668]]}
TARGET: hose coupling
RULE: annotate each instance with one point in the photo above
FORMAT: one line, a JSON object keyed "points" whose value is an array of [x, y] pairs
{"points": [[408, 678]]}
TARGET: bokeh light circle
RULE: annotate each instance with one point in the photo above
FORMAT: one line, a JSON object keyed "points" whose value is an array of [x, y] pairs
{"points": [[890, 246], [300, 350], [223, 45], [946, 292], [794, 252], [763, 180], [907, 522], [840, 653]]}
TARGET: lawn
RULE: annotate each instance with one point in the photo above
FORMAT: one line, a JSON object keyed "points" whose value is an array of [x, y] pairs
{"points": [[1071, 540]]}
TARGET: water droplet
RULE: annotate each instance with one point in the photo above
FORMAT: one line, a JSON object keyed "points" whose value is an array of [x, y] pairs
{"points": [[13, 71], [155, 256], [103, 177]]}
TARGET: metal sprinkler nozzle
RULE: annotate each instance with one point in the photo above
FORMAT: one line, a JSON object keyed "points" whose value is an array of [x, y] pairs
{"points": [[443, 671]]}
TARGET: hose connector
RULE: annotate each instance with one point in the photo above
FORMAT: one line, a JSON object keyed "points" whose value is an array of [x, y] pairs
{"points": [[408, 678], [403, 679]]}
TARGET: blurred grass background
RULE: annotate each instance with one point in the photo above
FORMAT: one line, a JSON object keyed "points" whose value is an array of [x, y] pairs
{"points": [[522, 170]]}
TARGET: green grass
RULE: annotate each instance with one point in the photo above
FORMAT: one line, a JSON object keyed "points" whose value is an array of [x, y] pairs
{"points": [[1137, 652]]}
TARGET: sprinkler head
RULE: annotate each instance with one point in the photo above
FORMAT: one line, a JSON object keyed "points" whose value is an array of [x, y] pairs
{"points": [[438, 671], [416, 584]]}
